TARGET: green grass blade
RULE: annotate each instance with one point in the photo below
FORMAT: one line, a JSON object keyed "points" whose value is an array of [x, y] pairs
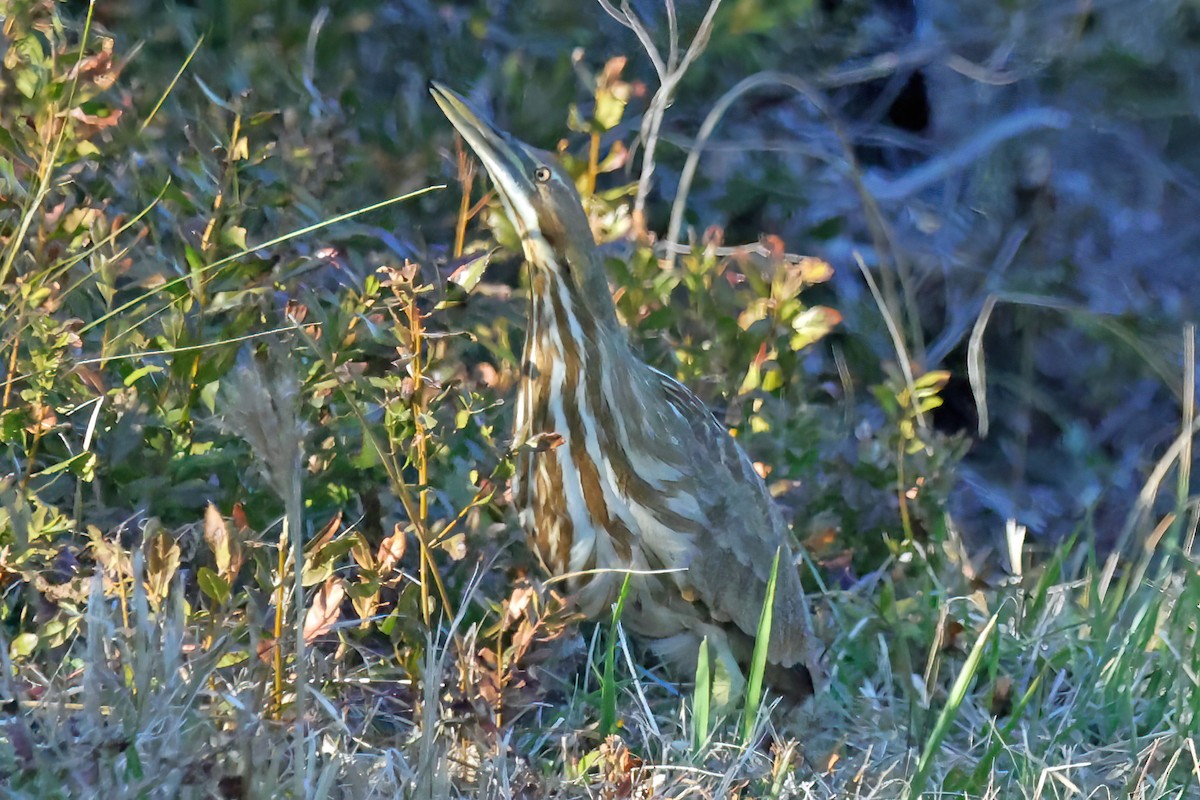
{"points": [[608, 684], [171, 86], [758, 663], [950, 711], [1000, 735], [701, 699], [158, 290]]}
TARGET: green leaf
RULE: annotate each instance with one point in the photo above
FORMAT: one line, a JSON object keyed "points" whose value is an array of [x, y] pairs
{"points": [[701, 699], [950, 711], [758, 662], [319, 566], [79, 464], [812, 325], [234, 236], [27, 82], [934, 379], [608, 686], [232, 658], [609, 109], [576, 121], [23, 645], [141, 372], [12, 426], [468, 274], [213, 585]]}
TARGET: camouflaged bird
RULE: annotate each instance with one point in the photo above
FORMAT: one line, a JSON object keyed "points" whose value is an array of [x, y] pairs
{"points": [[644, 478]]}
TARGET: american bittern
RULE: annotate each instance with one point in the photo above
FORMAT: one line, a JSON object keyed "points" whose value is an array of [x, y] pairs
{"points": [[644, 479]]}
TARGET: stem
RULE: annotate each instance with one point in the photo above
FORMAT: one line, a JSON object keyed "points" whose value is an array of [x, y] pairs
{"points": [[466, 176], [901, 493], [593, 166], [277, 656], [12, 371], [416, 331], [292, 523], [423, 500]]}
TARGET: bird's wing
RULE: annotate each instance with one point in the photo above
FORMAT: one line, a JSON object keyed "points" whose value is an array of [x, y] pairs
{"points": [[731, 564]]}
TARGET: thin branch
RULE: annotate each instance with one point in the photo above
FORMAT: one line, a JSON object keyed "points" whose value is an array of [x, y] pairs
{"points": [[688, 174], [670, 73], [699, 41], [672, 36], [643, 34], [903, 359], [612, 11], [942, 166]]}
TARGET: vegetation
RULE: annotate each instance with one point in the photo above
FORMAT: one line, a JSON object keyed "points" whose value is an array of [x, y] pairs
{"points": [[258, 329]]}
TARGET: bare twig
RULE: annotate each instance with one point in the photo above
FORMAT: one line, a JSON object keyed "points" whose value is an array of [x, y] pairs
{"points": [[903, 359], [670, 72], [938, 168], [710, 123]]}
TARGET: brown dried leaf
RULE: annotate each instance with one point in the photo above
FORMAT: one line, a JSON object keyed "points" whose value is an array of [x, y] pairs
{"points": [[240, 520], [952, 631], [227, 544], [44, 419], [325, 610], [95, 120], [266, 649], [91, 377], [162, 561], [775, 248], [216, 536], [391, 551], [296, 311], [517, 603], [456, 546], [622, 771], [365, 601], [361, 550], [113, 559], [1002, 700]]}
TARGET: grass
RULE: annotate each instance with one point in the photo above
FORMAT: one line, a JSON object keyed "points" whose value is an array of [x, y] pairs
{"points": [[758, 661], [254, 538]]}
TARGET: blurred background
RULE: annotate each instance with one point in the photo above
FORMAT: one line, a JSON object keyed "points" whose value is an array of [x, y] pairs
{"points": [[1032, 163]]}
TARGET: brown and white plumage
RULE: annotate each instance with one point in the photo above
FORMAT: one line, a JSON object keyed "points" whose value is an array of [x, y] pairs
{"points": [[645, 478]]}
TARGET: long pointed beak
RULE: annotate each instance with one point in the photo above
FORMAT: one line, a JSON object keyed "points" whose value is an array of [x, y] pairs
{"points": [[510, 168]]}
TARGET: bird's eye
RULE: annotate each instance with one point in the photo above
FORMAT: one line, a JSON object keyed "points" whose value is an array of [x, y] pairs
{"points": [[541, 174]]}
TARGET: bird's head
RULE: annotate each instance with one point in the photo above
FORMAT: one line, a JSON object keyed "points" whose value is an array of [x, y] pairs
{"points": [[538, 196]]}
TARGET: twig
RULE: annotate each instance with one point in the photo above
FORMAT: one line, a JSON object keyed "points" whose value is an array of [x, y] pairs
{"points": [[670, 73], [688, 174], [902, 356], [942, 166]]}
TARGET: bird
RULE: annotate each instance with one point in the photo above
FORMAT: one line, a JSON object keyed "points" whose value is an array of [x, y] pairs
{"points": [[620, 469]]}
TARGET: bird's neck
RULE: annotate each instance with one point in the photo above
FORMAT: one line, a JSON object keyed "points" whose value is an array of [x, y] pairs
{"points": [[563, 323], [568, 346]]}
